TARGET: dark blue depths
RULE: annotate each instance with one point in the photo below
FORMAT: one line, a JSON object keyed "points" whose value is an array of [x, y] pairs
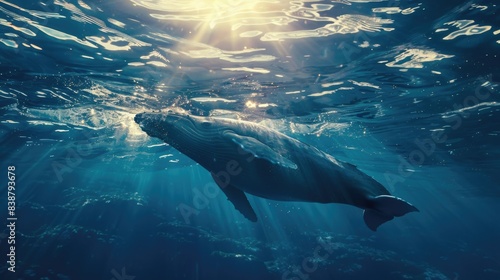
{"points": [[407, 91]]}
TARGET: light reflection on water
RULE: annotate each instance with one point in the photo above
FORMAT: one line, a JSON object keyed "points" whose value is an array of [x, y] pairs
{"points": [[364, 80]]}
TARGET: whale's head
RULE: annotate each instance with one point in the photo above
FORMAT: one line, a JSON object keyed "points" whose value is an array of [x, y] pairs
{"points": [[181, 130]]}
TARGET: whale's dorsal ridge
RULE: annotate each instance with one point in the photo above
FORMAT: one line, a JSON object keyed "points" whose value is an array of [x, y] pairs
{"points": [[260, 150], [238, 198]]}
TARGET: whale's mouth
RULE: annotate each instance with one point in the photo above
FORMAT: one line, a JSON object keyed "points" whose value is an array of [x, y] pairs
{"points": [[139, 118], [144, 120]]}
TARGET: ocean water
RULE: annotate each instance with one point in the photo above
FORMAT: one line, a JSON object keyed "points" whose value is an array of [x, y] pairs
{"points": [[408, 91]]}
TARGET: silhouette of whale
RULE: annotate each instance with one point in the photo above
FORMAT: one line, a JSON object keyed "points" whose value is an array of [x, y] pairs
{"points": [[244, 157]]}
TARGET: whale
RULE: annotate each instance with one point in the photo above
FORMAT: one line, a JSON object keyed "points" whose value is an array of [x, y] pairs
{"points": [[248, 158]]}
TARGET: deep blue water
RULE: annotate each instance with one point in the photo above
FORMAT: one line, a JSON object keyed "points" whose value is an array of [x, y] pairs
{"points": [[408, 91]]}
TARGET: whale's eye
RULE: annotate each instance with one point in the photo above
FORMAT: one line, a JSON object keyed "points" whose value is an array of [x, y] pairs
{"points": [[206, 124]]}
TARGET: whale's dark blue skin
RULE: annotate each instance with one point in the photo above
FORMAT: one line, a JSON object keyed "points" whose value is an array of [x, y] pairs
{"points": [[245, 157]]}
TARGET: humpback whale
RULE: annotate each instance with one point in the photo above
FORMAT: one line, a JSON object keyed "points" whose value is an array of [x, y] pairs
{"points": [[245, 157]]}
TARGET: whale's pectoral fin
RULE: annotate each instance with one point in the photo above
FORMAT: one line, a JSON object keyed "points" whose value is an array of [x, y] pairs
{"points": [[384, 208], [260, 150], [239, 200]]}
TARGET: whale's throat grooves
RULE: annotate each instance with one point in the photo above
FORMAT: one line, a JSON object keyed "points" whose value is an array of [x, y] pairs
{"points": [[201, 146]]}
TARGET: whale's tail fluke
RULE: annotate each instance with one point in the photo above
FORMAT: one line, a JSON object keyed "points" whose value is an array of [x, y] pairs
{"points": [[384, 208]]}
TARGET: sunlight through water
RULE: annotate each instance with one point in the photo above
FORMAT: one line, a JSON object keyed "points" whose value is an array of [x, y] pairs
{"points": [[405, 92]]}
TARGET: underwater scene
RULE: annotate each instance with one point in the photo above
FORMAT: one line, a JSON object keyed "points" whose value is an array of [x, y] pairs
{"points": [[266, 139]]}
